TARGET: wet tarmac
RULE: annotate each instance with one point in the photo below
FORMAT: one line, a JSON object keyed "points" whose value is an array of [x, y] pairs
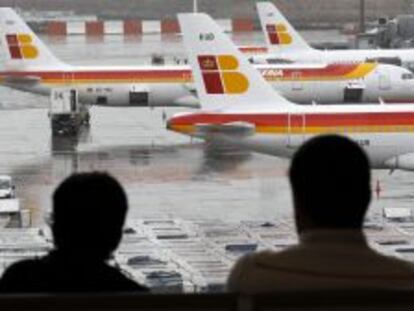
{"points": [[193, 209]]}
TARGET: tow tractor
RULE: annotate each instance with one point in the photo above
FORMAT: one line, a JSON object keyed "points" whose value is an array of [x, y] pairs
{"points": [[65, 113]]}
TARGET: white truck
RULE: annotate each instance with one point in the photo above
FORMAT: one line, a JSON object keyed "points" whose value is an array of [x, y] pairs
{"points": [[7, 189], [9, 204]]}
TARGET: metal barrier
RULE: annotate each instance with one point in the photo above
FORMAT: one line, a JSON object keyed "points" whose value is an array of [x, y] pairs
{"points": [[289, 300]]}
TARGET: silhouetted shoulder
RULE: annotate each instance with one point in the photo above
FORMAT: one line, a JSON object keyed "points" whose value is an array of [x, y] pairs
{"points": [[47, 275], [118, 281], [21, 275], [239, 272]]}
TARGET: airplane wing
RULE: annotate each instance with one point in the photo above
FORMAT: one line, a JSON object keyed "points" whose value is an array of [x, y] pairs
{"points": [[228, 129], [187, 101]]}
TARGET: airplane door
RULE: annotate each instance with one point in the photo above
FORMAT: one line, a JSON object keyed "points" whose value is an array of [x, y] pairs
{"points": [[297, 84], [296, 130], [384, 83], [138, 96], [68, 78], [353, 93]]}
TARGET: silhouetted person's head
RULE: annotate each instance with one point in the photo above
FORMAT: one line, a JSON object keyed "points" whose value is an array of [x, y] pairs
{"points": [[89, 210], [330, 179]]}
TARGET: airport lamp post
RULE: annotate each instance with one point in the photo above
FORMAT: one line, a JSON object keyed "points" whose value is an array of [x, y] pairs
{"points": [[195, 6], [362, 16]]}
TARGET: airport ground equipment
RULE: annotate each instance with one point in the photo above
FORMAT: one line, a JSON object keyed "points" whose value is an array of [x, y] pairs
{"points": [[395, 33], [7, 188], [10, 212], [66, 114]]}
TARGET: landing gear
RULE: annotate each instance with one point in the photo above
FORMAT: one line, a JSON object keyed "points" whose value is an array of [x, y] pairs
{"points": [[85, 115]]}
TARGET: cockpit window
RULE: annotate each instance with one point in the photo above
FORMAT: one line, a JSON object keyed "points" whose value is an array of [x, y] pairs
{"points": [[407, 76]]}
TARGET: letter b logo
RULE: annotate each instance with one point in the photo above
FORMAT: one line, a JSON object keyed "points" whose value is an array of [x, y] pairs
{"points": [[21, 46], [221, 76], [278, 34]]}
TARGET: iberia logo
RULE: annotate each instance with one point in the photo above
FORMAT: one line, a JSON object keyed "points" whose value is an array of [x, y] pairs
{"points": [[221, 76], [21, 46], [278, 34]]}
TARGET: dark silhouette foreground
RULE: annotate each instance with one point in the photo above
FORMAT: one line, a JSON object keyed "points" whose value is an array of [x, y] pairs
{"points": [[330, 179], [89, 211]]}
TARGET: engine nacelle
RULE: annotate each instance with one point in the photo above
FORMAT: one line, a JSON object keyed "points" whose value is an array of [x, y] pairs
{"points": [[402, 162]]}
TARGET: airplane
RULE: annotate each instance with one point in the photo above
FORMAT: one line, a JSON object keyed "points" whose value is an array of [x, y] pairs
{"points": [[340, 83], [284, 42], [239, 108], [28, 65]]}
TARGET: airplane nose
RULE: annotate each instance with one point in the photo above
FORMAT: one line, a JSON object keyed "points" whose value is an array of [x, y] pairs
{"points": [[169, 124], [179, 123]]}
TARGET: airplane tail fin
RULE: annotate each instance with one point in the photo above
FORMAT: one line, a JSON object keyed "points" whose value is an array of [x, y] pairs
{"points": [[224, 79], [280, 35], [21, 49]]}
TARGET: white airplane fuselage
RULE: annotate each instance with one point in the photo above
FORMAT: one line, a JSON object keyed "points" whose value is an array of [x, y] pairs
{"points": [[403, 57], [386, 132], [284, 42], [110, 86], [173, 85]]}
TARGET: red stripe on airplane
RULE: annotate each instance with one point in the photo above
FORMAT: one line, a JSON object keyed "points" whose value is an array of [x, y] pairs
{"points": [[311, 119], [328, 71]]}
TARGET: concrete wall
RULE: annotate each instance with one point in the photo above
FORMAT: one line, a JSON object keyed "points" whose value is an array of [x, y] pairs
{"points": [[301, 12]]}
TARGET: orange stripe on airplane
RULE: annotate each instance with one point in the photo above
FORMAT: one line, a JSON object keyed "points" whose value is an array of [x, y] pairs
{"points": [[105, 75], [310, 120], [254, 49], [190, 129], [330, 72]]}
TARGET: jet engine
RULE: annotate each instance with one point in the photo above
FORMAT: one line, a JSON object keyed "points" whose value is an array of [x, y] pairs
{"points": [[402, 162]]}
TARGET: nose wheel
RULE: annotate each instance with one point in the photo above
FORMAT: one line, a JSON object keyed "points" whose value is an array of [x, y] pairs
{"points": [[378, 189]]}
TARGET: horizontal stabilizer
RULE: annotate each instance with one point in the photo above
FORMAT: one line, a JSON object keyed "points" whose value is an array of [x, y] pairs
{"points": [[27, 80], [187, 101]]}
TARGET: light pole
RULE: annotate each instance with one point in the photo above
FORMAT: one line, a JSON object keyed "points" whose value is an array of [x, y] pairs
{"points": [[362, 16], [195, 6]]}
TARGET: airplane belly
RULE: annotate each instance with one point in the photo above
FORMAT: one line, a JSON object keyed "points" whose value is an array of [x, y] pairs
{"points": [[308, 92], [171, 94], [105, 94], [137, 95], [380, 147], [35, 89], [271, 144]]}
